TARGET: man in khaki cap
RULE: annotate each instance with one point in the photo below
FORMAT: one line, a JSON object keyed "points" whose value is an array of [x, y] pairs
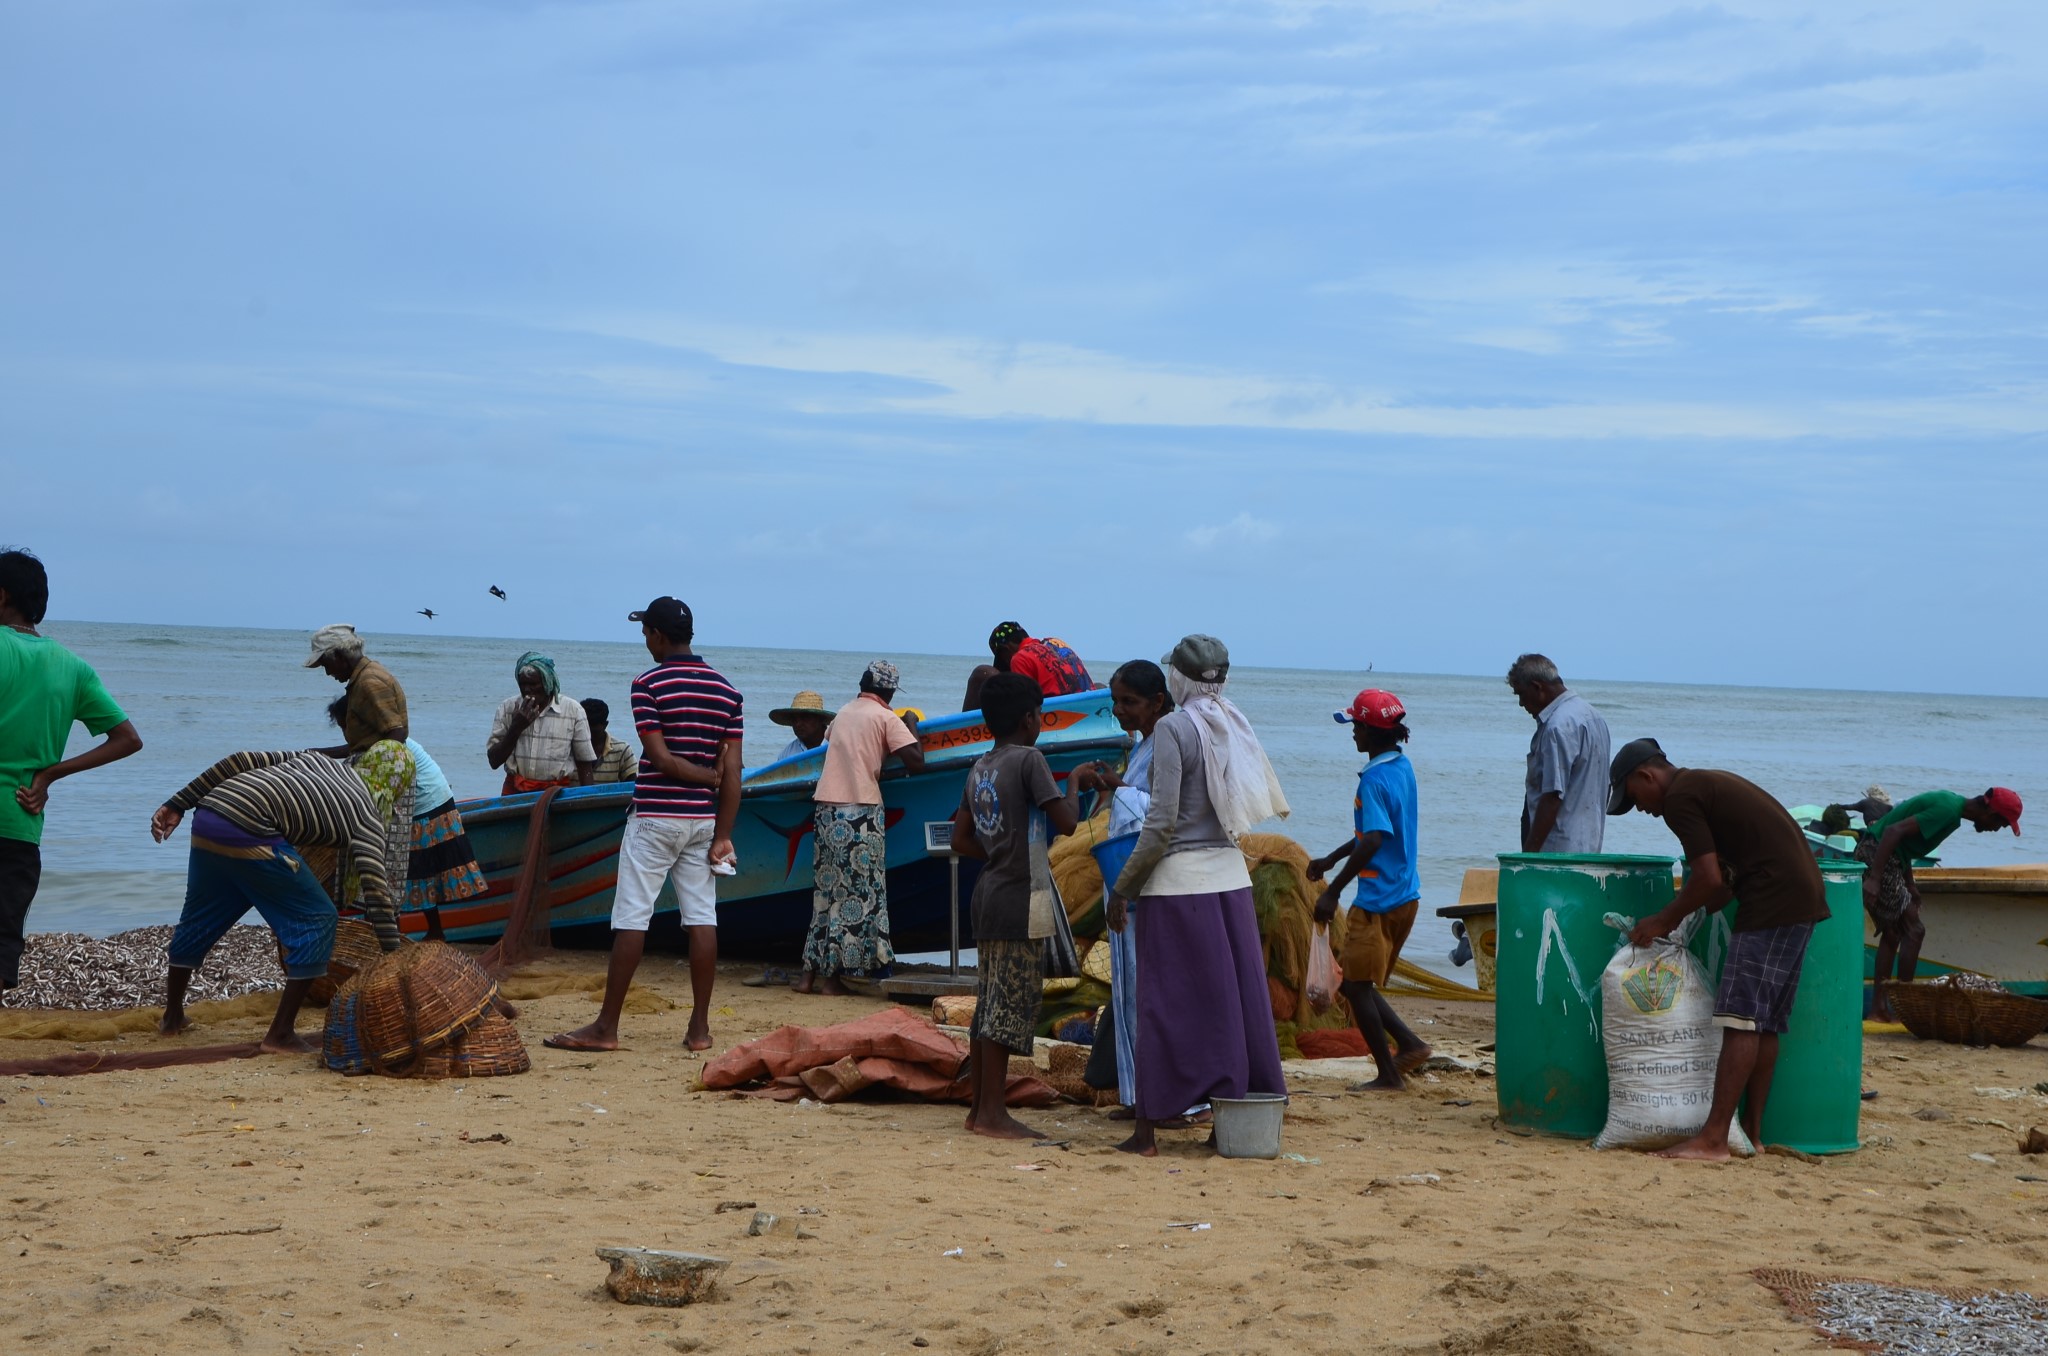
{"points": [[806, 718], [376, 703]]}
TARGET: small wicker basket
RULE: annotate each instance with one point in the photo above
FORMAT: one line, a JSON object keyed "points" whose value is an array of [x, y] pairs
{"points": [[1966, 1014], [489, 1049]]}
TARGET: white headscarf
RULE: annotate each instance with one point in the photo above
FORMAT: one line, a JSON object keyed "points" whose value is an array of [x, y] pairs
{"points": [[1242, 786]]}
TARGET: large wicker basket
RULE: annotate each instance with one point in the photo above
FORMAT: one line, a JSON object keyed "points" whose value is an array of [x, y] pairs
{"points": [[1966, 1014], [342, 1044], [355, 949], [418, 999]]}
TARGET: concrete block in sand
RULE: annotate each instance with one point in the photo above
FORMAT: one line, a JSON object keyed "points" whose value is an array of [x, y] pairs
{"points": [[651, 1276]]}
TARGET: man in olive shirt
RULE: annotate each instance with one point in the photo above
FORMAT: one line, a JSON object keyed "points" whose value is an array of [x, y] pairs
{"points": [[376, 703], [1735, 837], [1912, 829]]}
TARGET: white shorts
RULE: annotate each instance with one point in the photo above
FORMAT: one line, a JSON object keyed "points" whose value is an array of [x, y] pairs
{"points": [[658, 848]]}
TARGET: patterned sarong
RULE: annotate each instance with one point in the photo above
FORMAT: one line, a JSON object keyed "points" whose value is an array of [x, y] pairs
{"points": [[850, 898], [443, 867], [1893, 899]]}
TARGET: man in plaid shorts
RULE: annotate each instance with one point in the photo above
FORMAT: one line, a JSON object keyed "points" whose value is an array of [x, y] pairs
{"points": [[1735, 838]]}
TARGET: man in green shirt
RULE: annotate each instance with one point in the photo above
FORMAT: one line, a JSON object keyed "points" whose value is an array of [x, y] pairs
{"points": [[1915, 828], [43, 688]]}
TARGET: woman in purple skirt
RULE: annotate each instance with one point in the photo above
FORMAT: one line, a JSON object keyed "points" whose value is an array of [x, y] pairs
{"points": [[1205, 1020]]}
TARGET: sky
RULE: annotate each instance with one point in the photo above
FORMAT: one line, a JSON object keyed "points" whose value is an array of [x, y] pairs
{"points": [[1702, 343]]}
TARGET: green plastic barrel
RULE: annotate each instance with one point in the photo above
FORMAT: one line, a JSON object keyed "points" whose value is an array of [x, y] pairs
{"points": [[1817, 1090], [1550, 1067]]}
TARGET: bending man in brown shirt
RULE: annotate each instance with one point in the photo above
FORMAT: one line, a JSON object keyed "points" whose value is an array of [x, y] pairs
{"points": [[1735, 836]]}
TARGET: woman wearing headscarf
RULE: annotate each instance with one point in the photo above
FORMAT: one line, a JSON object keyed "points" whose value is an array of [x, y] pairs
{"points": [[1204, 1019], [441, 866], [540, 737]]}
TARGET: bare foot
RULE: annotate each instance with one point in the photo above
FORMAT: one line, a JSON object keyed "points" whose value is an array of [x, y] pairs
{"points": [[1143, 1147], [583, 1038], [831, 987], [297, 1045], [1408, 1061], [698, 1037], [1001, 1125], [1697, 1150], [808, 984], [1389, 1082], [1122, 1113], [173, 1023]]}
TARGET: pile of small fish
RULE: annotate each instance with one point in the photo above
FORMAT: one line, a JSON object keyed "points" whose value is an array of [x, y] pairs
{"points": [[103, 974], [1973, 983], [1900, 1321]]}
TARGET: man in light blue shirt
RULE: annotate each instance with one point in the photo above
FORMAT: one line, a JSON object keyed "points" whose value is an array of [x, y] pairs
{"points": [[1564, 797]]}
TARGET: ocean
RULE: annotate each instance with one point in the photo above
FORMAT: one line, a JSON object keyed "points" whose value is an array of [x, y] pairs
{"points": [[198, 693]]}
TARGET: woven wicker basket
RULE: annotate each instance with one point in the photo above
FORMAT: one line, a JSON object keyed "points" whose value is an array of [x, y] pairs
{"points": [[342, 1044], [418, 999], [489, 1049], [355, 949], [1936, 1011]]}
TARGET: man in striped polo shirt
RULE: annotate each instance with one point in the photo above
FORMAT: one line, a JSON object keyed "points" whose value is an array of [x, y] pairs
{"points": [[684, 802], [254, 814]]}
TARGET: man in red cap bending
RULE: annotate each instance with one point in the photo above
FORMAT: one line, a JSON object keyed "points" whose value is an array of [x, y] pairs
{"points": [[1380, 855], [1915, 828]]}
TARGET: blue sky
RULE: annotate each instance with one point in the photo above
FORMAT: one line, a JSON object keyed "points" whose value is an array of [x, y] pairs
{"points": [[1702, 343]]}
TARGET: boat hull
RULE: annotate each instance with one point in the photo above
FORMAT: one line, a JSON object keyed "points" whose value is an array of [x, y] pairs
{"points": [[765, 909], [1979, 920]]}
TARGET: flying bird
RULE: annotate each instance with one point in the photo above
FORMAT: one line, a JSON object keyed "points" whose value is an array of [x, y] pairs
{"points": [[497, 592], [427, 612]]}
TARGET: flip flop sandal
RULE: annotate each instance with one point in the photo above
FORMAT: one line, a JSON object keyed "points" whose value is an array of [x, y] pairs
{"points": [[773, 977]]}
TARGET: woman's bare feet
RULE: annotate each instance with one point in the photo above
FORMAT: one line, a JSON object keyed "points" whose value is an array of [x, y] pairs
{"points": [[831, 987], [698, 1037], [1122, 1113], [808, 984], [173, 1023], [1142, 1145], [1386, 1082]]}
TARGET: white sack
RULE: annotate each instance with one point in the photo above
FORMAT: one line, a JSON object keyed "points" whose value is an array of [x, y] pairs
{"points": [[1662, 1046]]}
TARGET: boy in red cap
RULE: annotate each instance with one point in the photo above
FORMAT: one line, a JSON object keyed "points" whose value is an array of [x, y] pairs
{"points": [[1380, 855], [1915, 828]]}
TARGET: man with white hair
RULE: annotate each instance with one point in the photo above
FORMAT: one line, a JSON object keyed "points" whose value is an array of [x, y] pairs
{"points": [[1564, 797], [376, 703]]}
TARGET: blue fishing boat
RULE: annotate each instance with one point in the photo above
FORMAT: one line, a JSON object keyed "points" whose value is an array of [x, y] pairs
{"points": [[765, 908]]}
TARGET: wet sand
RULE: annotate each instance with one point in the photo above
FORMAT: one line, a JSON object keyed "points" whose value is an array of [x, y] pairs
{"points": [[267, 1205]]}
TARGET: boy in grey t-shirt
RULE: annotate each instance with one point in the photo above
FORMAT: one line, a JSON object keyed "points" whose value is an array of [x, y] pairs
{"points": [[1010, 809]]}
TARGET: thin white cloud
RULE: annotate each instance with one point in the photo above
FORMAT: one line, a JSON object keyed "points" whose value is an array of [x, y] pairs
{"points": [[1244, 530], [965, 378]]}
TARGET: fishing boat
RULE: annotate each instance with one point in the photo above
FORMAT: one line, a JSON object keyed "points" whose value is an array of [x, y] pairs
{"points": [[765, 908]]}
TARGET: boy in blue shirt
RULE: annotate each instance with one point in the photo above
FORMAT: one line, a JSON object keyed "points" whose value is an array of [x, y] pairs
{"points": [[1380, 855]]}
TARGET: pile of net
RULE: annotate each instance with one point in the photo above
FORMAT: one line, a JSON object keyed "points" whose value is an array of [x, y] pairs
{"points": [[423, 1011], [77, 973], [894, 1050], [1282, 894]]}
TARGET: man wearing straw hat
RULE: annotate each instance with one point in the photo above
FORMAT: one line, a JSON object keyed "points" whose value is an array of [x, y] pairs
{"points": [[849, 930], [806, 718]]}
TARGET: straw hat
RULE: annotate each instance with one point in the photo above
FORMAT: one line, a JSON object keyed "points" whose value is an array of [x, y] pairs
{"points": [[802, 704]]}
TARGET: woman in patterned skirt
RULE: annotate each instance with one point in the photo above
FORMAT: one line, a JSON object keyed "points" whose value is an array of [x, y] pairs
{"points": [[441, 866]]}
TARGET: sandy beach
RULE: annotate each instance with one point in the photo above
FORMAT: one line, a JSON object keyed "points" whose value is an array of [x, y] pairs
{"points": [[268, 1205]]}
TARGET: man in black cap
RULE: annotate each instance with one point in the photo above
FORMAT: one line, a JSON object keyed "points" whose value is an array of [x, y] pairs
{"points": [[684, 803], [1735, 837]]}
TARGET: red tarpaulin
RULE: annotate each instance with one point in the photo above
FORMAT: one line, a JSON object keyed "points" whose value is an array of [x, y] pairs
{"points": [[894, 1049]]}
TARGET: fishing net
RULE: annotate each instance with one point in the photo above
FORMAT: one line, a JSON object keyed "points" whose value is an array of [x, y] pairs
{"points": [[529, 929], [1899, 1320]]}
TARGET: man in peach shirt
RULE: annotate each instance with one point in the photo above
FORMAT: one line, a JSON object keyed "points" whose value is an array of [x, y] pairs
{"points": [[850, 895]]}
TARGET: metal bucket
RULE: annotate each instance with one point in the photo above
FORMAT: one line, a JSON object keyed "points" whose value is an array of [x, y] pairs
{"points": [[1249, 1126]]}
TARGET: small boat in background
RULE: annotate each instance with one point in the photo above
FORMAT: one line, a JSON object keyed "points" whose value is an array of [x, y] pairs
{"points": [[764, 909]]}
